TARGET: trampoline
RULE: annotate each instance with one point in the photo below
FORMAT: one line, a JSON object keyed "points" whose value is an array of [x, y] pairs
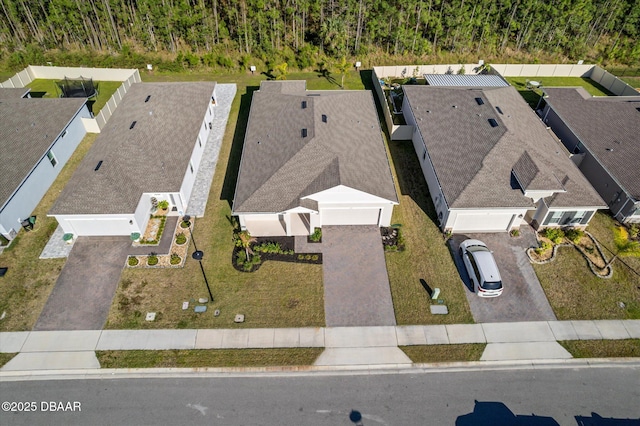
{"points": [[77, 87]]}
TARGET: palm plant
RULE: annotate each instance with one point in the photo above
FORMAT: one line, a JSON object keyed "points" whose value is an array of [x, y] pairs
{"points": [[245, 240], [624, 246]]}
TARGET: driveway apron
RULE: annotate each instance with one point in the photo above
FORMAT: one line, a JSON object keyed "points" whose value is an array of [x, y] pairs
{"points": [[356, 284], [82, 296], [523, 298]]}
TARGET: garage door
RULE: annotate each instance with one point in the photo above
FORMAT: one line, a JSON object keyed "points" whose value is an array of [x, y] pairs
{"points": [[489, 222], [88, 227], [353, 216]]}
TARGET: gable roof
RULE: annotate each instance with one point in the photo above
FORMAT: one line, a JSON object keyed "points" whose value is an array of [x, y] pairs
{"points": [[14, 93], [302, 142], [28, 129], [475, 147], [608, 126], [150, 156]]}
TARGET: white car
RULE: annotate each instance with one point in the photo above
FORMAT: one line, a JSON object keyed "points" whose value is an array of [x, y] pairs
{"points": [[482, 268]]}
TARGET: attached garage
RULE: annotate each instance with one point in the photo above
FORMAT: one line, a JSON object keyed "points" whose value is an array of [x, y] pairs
{"points": [[351, 216], [482, 222], [92, 226]]}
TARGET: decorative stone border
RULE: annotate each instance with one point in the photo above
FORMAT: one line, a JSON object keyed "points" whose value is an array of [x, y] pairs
{"points": [[164, 260], [554, 252]]}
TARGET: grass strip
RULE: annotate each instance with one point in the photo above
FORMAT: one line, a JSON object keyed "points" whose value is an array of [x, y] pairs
{"points": [[629, 348], [5, 358], [444, 353], [199, 358]]}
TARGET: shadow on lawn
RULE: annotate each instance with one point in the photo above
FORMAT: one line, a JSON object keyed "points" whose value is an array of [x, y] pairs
{"points": [[233, 165]]}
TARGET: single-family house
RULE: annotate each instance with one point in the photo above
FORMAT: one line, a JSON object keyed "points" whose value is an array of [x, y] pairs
{"points": [[491, 164], [603, 133], [312, 158], [37, 137], [149, 151]]}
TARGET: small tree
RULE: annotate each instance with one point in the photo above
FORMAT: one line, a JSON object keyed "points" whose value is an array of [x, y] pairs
{"points": [[343, 68], [245, 240], [281, 71], [624, 246]]}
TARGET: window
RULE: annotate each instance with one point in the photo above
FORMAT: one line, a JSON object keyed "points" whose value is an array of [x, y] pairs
{"points": [[52, 158], [553, 218], [493, 122], [472, 261]]}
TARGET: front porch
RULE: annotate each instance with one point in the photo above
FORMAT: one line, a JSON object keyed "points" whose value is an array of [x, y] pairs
{"points": [[277, 225]]}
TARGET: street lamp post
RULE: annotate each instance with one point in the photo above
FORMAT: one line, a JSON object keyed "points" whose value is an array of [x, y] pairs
{"points": [[198, 255]]}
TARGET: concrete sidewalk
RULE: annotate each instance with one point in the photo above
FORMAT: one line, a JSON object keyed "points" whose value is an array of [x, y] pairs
{"points": [[343, 345]]}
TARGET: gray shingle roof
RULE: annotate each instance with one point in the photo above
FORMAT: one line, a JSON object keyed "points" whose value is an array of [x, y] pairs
{"points": [[343, 146], [13, 93], [474, 160], [28, 128], [151, 157], [609, 127]]}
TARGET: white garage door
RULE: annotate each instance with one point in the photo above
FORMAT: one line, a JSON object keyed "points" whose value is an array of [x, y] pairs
{"points": [[350, 216], [88, 227], [489, 222]]}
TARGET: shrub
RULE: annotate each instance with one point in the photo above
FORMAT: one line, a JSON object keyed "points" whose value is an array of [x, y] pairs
{"points": [[133, 261], [314, 257], [175, 259], [554, 234], [544, 246], [241, 257], [181, 238], [163, 205], [256, 260], [574, 235], [185, 224], [152, 260], [634, 231], [515, 232], [301, 257], [391, 247], [307, 257], [316, 236]]}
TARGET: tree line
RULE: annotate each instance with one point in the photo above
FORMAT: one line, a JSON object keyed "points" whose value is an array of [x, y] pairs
{"points": [[297, 31]]}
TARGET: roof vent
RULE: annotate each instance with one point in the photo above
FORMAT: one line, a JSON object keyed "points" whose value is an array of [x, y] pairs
{"points": [[147, 99], [479, 101], [304, 133], [324, 118], [133, 124], [610, 149], [499, 110], [98, 166], [493, 122], [455, 106], [304, 104]]}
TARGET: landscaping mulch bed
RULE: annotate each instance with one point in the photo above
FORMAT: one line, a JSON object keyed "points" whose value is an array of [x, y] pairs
{"points": [[391, 239], [286, 244]]}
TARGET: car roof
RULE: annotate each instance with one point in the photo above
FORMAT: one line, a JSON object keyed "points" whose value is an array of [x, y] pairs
{"points": [[487, 265]]}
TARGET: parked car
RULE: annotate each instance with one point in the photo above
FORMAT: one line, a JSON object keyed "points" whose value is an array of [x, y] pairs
{"points": [[482, 268]]}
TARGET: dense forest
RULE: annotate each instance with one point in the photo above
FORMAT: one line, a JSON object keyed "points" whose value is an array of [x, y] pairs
{"points": [[232, 32]]}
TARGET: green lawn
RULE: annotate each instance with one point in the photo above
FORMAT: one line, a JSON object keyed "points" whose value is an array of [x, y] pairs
{"points": [[632, 81], [532, 96], [47, 89], [444, 353], [29, 280], [629, 348], [427, 256], [201, 358], [279, 294], [5, 358], [575, 293]]}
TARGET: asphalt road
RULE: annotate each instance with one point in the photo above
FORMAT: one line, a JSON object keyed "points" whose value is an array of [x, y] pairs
{"points": [[565, 396]]}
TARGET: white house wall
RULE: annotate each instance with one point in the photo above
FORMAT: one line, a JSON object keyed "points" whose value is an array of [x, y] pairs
{"points": [[26, 198], [196, 155], [435, 191]]}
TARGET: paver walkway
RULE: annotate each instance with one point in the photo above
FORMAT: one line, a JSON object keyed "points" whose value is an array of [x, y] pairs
{"points": [[523, 298], [356, 285], [82, 296], [344, 346]]}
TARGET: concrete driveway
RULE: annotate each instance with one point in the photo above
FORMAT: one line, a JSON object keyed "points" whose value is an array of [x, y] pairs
{"points": [[82, 296], [356, 284], [523, 298]]}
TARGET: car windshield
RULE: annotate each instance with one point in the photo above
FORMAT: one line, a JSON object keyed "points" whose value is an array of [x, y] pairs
{"points": [[492, 285]]}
